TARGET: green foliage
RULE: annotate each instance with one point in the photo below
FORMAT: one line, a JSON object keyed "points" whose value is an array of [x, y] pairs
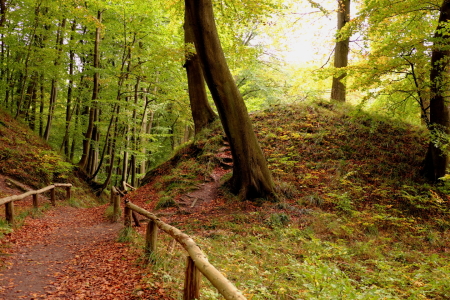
{"points": [[5, 228], [165, 202], [127, 235], [278, 220], [51, 167], [342, 202]]}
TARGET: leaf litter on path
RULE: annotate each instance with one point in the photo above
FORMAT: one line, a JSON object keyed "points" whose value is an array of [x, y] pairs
{"points": [[71, 253]]}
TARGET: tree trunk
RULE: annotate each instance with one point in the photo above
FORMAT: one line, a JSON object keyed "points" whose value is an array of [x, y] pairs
{"points": [[54, 88], [92, 111], [112, 151], [338, 89], [41, 104], [251, 176], [202, 112], [2, 12], [74, 140], [69, 112], [436, 160], [24, 78]]}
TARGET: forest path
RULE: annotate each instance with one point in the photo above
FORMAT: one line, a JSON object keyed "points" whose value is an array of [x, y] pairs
{"points": [[70, 253]]}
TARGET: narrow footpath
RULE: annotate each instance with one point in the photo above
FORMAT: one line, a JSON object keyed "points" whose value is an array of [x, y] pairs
{"points": [[71, 253]]}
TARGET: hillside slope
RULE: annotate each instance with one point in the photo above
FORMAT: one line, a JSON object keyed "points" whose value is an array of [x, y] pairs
{"points": [[27, 158], [354, 216]]}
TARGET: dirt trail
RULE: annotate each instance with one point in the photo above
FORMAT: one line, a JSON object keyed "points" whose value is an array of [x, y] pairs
{"points": [[70, 254]]}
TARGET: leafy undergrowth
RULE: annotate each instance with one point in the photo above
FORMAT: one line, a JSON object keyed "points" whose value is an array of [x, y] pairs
{"points": [[355, 219]]}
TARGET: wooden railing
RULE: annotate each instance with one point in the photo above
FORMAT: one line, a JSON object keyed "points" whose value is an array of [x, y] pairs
{"points": [[197, 261], [9, 201]]}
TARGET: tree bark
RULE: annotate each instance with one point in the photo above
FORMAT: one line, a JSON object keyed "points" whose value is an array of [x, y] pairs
{"points": [[338, 89], [92, 111], [251, 176], [2, 12], [69, 112], [202, 113], [41, 104], [436, 159]]}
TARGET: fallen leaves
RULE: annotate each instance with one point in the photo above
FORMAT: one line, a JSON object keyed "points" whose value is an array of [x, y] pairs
{"points": [[82, 260]]}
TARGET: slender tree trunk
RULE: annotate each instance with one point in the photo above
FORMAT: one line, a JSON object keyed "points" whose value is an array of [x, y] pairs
{"points": [[436, 160], [69, 112], [125, 156], [51, 108], [54, 87], [71, 153], [24, 78], [34, 103], [41, 105], [202, 112], [251, 176], [29, 100], [2, 12], [112, 152], [107, 139], [338, 89], [95, 90]]}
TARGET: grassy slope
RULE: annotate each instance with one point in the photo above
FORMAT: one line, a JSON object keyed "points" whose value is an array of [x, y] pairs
{"points": [[355, 220]]}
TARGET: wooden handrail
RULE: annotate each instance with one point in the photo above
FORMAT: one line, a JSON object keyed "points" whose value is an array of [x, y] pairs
{"points": [[9, 201], [223, 285], [21, 196]]}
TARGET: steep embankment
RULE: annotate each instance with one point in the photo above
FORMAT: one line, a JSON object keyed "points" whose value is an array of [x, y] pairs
{"points": [[355, 216]]}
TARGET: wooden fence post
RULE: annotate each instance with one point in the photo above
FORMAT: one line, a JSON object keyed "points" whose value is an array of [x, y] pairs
{"points": [[127, 216], [52, 196], [9, 212], [192, 281], [151, 237], [116, 207], [35, 201], [68, 195]]}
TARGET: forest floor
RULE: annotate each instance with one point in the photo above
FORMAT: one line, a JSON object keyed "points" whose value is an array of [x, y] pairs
{"points": [[69, 253]]}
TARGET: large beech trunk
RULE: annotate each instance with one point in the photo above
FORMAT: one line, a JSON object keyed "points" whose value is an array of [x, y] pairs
{"points": [[202, 112], [338, 89], [251, 177], [436, 160]]}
